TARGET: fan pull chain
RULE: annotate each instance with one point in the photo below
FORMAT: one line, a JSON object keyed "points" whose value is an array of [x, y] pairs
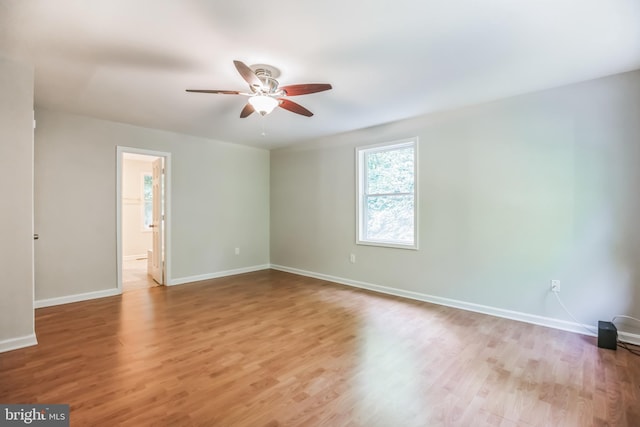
{"points": [[262, 120]]}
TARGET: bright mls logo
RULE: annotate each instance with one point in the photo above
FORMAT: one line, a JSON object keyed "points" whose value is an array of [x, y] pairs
{"points": [[34, 415]]}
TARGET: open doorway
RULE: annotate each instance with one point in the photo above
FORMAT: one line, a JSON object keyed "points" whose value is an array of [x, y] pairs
{"points": [[142, 218]]}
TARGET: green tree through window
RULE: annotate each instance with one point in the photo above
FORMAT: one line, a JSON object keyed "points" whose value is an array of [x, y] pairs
{"points": [[387, 194], [147, 206]]}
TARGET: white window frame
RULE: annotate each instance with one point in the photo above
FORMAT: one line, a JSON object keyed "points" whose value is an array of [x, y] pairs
{"points": [[361, 180], [143, 202]]}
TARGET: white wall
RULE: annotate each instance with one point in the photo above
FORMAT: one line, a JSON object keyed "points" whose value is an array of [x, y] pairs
{"points": [[135, 240], [512, 194], [16, 215], [220, 201]]}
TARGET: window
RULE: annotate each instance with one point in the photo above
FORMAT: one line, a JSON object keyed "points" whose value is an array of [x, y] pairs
{"points": [[387, 189], [147, 201]]}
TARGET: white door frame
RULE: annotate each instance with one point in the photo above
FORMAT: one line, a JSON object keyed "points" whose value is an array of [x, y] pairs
{"points": [[120, 151]]}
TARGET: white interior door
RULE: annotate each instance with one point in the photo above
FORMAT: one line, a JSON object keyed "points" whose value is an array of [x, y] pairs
{"points": [[157, 261]]}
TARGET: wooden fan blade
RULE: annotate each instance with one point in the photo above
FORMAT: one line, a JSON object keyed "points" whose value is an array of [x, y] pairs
{"points": [[294, 90], [247, 74], [294, 108], [247, 111], [224, 92]]}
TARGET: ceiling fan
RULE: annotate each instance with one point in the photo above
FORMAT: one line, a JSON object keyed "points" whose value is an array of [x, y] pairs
{"points": [[266, 94]]}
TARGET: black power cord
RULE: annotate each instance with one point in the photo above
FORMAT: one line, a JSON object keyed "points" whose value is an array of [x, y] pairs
{"points": [[629, 348], [625, 345]]}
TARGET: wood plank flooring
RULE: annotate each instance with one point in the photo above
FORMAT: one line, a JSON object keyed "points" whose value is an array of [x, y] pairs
{"points": [[134, 275], [275, 349]]}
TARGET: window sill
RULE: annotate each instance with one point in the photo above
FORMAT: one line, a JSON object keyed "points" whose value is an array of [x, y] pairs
{"points": [[387, 245]]}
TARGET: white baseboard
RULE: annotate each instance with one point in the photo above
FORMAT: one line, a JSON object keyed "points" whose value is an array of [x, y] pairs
{"points": [[111, 292], [493, 311], [76, 298], [183, 280], [19, 342], [29, 340], [133, 257]]}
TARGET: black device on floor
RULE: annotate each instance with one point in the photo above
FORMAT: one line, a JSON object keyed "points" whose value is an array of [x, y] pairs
{"points": [[607, 335]]}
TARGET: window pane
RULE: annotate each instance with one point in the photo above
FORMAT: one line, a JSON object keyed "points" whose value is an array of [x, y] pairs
{"points": [[148, 214], [148, 188], [387, 194], [390, 218], [147, 198], [390, 171]]}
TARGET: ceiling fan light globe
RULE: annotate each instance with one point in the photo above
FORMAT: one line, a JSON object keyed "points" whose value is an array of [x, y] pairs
{"points": [[263, 104]]}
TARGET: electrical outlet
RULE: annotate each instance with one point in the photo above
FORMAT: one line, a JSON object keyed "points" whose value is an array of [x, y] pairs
{"points": [[352, 258], [555, 285], [237, 251]]}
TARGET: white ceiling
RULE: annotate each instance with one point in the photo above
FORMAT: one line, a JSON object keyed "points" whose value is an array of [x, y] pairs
{"points": [[131, 60]]}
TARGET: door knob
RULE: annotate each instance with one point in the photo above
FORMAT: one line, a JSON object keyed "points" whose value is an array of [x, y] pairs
{"points": [[36, 236]]}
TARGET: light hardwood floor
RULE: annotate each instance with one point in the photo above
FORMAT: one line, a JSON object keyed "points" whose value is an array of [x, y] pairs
{"points": [[275, 349], [135, 276]]}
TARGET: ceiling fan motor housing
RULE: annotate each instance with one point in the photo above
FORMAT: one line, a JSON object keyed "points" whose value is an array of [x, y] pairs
{"points": [[267, 77]]}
